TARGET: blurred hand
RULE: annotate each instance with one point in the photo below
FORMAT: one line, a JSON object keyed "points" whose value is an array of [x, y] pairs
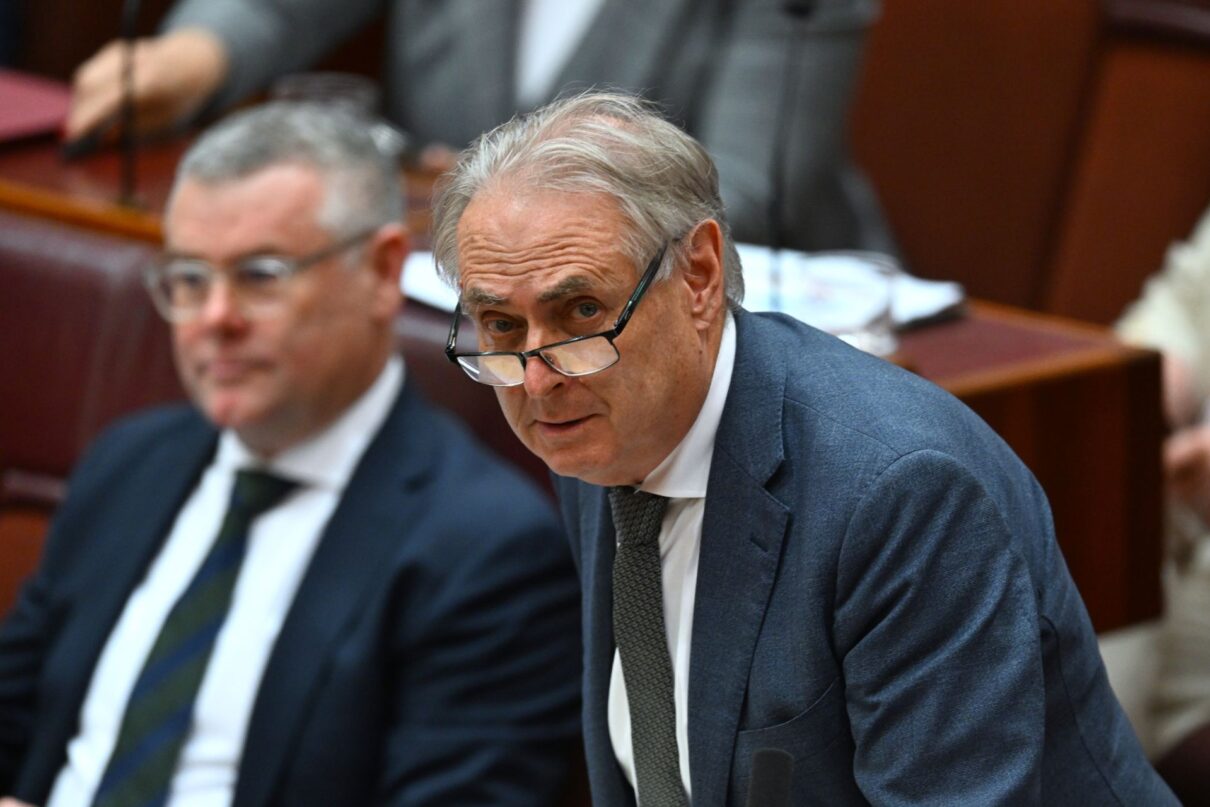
{"points": [[14, 803], [174, 74], [1187, 468]]}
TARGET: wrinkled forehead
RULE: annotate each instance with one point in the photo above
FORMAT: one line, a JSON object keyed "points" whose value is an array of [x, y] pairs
{"points": [[556, 242]]}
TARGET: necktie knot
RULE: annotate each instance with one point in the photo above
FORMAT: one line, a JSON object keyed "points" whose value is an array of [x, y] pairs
{"points": [[257, 491], [636, 514]]}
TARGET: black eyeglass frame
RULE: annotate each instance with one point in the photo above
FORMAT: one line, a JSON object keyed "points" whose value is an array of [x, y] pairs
{"points": [[291, 266], [619, 324]]}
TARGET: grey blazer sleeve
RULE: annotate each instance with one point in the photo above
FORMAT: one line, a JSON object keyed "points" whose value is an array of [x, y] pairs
{"points": [[265, 39]]}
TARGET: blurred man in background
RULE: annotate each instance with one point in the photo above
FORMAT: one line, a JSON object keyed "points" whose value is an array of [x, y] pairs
{"points": [[309, 587], [456, 68]]}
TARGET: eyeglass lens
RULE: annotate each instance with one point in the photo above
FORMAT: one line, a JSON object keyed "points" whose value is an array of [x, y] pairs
{"points": [[583, 357], [183, 287]]}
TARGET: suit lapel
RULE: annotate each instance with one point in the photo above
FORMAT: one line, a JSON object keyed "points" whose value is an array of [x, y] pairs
{"points": [[383, 496], [135, 524], [742, 534]]}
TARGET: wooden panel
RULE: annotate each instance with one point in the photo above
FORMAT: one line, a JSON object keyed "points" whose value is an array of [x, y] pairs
{"points": [[1142, 179], [966, 120]]}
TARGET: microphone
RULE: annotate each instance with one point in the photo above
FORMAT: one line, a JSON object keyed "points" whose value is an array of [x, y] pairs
{"points": [[772, 776], [129, 32], [800, 11]]}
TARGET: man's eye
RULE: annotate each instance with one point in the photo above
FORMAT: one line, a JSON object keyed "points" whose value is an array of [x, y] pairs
{"points": [[187, 278], [261, 272], [587, 310], [499, 327]]}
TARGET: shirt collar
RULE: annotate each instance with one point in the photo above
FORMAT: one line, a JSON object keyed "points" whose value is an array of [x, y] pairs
{"points": [[327, 459], [684, 473]]}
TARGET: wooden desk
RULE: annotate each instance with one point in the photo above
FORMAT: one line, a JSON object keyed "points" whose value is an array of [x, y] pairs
{"points": [[1080, 409], [34, 179]]}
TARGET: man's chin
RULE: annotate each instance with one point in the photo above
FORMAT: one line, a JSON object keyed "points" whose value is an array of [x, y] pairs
{"points": [[228, 411], [587, 466]]}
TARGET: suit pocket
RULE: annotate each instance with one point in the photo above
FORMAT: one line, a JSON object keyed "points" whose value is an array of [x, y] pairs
{"points": [[805, 733], [819, 741]]}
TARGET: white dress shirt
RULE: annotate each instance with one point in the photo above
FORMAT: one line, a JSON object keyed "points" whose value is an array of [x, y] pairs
{"points": [[681, 477], [550, 31], [280, 545]]}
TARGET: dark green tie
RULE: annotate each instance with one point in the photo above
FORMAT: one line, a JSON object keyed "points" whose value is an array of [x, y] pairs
{"points": [[159, 712], [638, 629]]}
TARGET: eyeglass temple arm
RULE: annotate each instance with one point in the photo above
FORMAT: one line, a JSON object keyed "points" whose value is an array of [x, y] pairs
{"points": [[451, 342], [640, 290]]}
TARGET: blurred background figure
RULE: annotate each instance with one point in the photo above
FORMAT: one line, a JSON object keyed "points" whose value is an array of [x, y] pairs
{"points": [[457, 68], [386, 613], [1173, 315]]}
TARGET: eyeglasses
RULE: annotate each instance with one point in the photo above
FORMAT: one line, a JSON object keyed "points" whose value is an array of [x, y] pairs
{"points": [[578, 356], [180, 287]]}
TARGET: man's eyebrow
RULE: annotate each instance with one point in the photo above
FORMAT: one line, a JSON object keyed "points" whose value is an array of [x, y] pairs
{"points": [[565, 287], [475, 296], [264, 250]]}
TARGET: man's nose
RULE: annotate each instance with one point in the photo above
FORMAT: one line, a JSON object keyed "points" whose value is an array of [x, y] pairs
{"points": [[222, 306], [540, 378]]}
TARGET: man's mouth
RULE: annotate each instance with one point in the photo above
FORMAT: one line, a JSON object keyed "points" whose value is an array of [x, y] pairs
{"points": [[227, 369], [557, 427]]}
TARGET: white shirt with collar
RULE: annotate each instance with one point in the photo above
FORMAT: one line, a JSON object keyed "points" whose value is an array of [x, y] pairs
{"points": [[681, 477], [280, 545]]}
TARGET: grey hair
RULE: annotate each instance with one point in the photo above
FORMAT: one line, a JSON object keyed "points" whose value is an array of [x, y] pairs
{"points": [[603, 143], [361, 182]]}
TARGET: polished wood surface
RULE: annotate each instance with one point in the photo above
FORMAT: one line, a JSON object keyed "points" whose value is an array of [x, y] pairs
{"points": [[36, 179], [1081, 410]]}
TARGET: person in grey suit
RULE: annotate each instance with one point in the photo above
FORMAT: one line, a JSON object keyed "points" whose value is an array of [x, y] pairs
{"points": [[399, 628], [456, 68], [783, 543]]}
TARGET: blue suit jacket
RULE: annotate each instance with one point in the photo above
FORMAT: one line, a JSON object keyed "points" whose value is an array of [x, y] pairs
{"points": [[879, 593], [431, 655]]}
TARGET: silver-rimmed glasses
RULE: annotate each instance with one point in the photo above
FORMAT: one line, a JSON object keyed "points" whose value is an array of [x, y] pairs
{"points": [[180, 286], [578, 356]]}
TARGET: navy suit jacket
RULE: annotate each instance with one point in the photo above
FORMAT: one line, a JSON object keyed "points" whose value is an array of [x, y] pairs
{"points": [[879, 594], [431, 655]]}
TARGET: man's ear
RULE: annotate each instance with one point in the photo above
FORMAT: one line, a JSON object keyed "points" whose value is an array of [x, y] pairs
{"points": [[702, 272], [387, 251]]}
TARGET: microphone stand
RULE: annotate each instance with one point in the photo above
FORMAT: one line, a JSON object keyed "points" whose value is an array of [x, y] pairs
{"points": [[129, 145], [800, 11]]}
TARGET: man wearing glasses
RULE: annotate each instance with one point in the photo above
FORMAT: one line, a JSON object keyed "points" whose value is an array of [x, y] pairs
{"points": [[309, 588], [789, 551]]}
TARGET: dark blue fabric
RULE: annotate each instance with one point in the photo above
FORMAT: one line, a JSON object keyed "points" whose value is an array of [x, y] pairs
{"points": [[879, 594], [431, 655]]}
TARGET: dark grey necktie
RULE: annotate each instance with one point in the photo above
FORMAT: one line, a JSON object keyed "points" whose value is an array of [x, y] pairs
{"points": [[638, 629]]}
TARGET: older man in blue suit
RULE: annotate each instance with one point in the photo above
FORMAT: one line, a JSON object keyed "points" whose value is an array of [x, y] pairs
{"points": [[386, 614], [783, 543]]}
